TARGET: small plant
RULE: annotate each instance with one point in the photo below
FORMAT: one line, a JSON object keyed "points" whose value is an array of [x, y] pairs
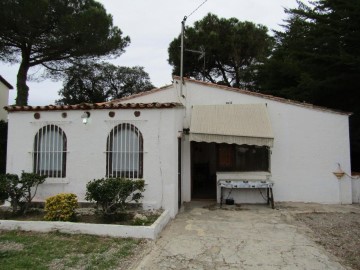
{"points": [[139, 220], [3, 189], [29, 181], [61, 207], [143, 220], [19, 190], [112, 194]]}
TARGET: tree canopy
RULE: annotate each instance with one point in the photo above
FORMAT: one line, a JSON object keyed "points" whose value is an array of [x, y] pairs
{"points": [[99, 82], [55, 33], [317, 59], [232, 49]]}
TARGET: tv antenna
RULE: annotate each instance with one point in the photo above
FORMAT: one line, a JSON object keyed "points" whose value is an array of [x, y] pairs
{"points": [[202, 56]]}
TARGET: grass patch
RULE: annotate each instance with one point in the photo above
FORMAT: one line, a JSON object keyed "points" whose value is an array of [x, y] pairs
{"points": [[28, 250]]}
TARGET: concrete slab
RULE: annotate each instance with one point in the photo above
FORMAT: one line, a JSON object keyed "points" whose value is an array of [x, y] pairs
{"points": [[203, 236]]}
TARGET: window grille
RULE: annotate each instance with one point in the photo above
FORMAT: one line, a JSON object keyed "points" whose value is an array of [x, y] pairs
{"points": [[124, 152], [49, 157]]}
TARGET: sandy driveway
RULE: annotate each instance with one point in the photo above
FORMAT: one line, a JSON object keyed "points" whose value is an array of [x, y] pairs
{"points": [[255, 237]]}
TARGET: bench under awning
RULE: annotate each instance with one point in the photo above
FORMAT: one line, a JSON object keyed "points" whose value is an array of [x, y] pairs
{"points": [[231, 123]]}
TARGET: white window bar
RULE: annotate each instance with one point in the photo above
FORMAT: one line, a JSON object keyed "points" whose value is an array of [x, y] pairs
{"points": [[115, 149], [125, 169], [50, 151], [133, 152], [124, 152]]}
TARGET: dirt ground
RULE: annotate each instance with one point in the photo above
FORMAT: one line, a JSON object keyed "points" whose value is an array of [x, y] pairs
{"points": [[88, 215], [204, 236], [299, 229], [339, 233]]}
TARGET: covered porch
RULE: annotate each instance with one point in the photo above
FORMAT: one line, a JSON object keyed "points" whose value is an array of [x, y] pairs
{"points": [[229, 142]]}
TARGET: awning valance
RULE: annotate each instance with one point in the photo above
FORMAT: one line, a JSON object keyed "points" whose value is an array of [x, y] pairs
{"points": [[231, 123]]}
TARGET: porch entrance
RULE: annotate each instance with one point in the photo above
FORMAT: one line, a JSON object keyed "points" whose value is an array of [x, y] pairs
{"points": [[203, 170], [227, 138]]}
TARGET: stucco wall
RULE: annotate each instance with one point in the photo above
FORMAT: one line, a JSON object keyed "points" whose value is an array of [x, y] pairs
{"points": [[4, 99], [168, 94], [307, 147], [86, 144], [356, 190]]}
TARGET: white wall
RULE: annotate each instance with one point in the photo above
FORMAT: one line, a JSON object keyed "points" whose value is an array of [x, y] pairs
{"points": [[307, 147], [4, 99], [86, 144], [356, 190], [167, 94]]}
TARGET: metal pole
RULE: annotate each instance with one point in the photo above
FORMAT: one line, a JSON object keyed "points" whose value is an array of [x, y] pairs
{"points": [[182, 56]]}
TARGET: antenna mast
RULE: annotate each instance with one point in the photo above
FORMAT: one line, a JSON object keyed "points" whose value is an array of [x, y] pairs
{"points": [[182, 48], [182, 56]]}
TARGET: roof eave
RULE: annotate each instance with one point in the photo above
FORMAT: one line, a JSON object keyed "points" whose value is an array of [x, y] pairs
{"points": [[101, 106]]}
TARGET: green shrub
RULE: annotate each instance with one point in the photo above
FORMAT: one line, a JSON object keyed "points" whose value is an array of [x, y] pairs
{"points": [[29, 181], [61, 207], [15, 191], [113, 194], [19, 190], [4, 195]]}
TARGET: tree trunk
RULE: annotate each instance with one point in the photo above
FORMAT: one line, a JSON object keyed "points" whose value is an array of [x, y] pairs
{"points": [[22, 88]]}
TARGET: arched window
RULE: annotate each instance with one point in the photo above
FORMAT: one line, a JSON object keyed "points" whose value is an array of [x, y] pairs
{"points": [[124, 152], [50, 152]]}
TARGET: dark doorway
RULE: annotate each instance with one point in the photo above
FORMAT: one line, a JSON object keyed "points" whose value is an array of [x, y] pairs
{"points": [[203, 170]]}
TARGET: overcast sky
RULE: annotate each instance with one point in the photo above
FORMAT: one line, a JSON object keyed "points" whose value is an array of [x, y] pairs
{"points": [[152, 25]]}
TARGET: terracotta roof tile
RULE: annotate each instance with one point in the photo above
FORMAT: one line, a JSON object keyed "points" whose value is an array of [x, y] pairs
{"points": [[96, 106]]}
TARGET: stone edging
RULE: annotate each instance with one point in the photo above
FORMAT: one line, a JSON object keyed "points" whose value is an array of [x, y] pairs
{"points": [[149, 232]]}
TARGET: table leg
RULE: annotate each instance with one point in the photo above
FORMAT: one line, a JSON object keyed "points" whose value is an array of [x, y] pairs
{"points": [[272, 199], [267, 195], [221, 196]]}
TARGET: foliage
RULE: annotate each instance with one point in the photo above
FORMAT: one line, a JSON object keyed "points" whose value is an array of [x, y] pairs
{"points": [[4, 195], [53, 34], [56, 250], [14, 189], [98, 82], [112, 194], [317, 59], [144, 221], [61, 207], [233, 50], [30, 181], [19, 190], [3, 145]]}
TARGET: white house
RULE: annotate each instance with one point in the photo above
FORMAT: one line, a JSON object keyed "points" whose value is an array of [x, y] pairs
{"points": [[4, 97], [182, 139]]}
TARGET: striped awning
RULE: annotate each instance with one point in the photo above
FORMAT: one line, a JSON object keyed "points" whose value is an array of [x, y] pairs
{"points": [[231, 123]]}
